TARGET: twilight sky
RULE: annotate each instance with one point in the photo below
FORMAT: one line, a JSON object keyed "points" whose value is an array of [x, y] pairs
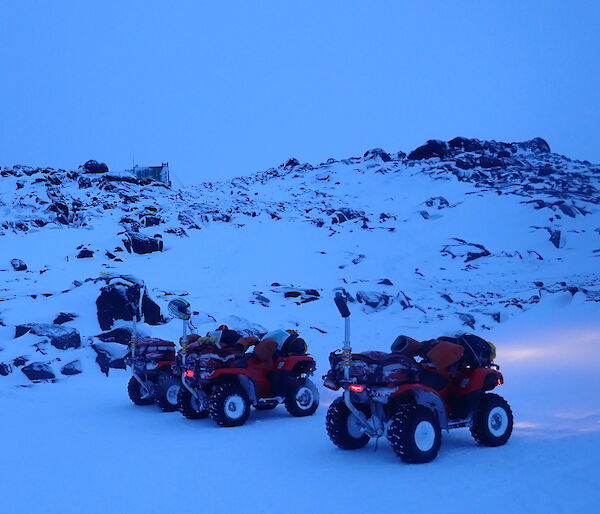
{"points": [[221, 89]]}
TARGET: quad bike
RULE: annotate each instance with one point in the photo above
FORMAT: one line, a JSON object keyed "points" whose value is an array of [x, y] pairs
{"points": [[224, 385], [152, 360], [410, 401]]}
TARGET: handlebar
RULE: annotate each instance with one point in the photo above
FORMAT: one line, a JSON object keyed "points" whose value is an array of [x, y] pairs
{"points": [[342, 306]]}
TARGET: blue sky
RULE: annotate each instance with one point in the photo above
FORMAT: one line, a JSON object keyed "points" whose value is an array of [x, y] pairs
{"points": [[220, 89]]}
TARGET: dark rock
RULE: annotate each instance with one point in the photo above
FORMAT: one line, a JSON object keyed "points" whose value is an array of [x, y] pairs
{"points": [[373, 299], [467, 319], [38, 371], [5, 369], [544, 171], [18, 265], [85, 254], [84, 182], [72, 368], [64, 317], [117, 335], [21, 330], [142, 244], [120, 299], [490, 162], [377, 153], [433, 148], [535, 145], [93, 166], [263, 300], [385, 282], [110, 355], [291, 163], [447, 298], [61, 210], [555, 237], [464, 144], [292, 294], [20, 361], [60, 337]]}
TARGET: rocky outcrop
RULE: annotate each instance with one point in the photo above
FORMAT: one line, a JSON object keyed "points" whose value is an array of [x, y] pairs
{"points": [[60, 337]]}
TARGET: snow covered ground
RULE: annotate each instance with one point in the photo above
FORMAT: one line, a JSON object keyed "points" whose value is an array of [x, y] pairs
{"points": [[80, 446], [425, 247]]}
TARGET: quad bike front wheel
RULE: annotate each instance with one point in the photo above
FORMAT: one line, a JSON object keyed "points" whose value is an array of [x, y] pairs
{"points": [[229, 405], [167, 389], [189, 406], [415, 434], [343, 428], [302, 398], [493, 421], [141, 395]]}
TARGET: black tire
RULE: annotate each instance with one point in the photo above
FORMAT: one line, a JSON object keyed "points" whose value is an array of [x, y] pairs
{"points": [[493, 421], [302, 398], [187, 405], [138, 395], [167, 392], [415, 434], [229, 405], [341, 429]]}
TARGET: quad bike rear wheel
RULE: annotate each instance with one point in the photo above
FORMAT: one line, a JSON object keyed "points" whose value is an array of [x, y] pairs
{"points": [[343, 428], [493, 421], [189, 406], [302, 398], [229, 405], [415, 434], [167, 390], [141, 395]]}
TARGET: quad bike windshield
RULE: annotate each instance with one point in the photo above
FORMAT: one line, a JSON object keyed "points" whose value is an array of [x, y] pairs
{"points": [[373, 368]]}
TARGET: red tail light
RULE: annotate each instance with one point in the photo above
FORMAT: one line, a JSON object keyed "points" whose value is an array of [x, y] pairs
{"points": [[356, 388], [189, 373]]}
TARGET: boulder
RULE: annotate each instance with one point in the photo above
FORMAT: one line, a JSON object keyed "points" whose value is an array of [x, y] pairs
{"points": [[433, 148], [20, 361], [38, 371], [5, 369], [64, 317], [72, 368], [85, 254], [93, 166], [374, 300], [118, 335], [18, 265], [60, 337], [120, 300], [377, 153], [141, 244], [110, 355]]}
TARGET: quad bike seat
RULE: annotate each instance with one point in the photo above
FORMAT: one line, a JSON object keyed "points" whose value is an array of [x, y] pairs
{"points": [[153, 341]]}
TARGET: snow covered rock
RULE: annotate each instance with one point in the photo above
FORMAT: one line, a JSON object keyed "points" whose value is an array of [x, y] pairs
{"points": [[433, 148], [110, 355], [60, 337], [18, 265], [72, 368], [38, 371], [141, 244], [119, 335], [64, 317], [5, 369], [126, 298]]}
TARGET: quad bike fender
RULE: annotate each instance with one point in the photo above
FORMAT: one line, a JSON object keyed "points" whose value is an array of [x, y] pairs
{"points": [[164, 364], [479, 379], [427, 397], [240, 376], [298, 363]]}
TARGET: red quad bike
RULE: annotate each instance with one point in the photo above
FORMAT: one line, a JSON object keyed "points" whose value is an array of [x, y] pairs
{"points": [[152, 380], [152, 360], [224, 385], [411, 402]]}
